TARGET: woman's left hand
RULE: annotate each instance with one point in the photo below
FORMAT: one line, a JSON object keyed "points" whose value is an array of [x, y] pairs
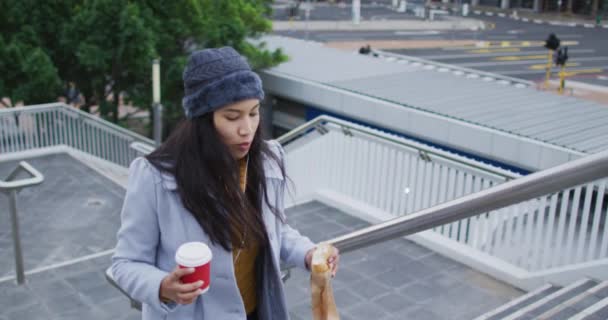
{"points": [[333, 260]]}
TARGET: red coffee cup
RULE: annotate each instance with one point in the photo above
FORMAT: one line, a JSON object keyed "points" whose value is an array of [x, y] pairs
{"points": [[195, 255]]}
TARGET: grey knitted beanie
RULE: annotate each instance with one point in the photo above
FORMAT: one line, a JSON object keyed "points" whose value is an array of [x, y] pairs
{"points": [[214, 78]]}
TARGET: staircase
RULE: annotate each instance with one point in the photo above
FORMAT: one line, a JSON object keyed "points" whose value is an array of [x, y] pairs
{"points": [[585, 299]]}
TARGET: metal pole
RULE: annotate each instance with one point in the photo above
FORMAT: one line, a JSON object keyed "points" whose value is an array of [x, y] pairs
{"points": [[158, 108], [158, 123], [548, 68], [356, 11], [562, 79], [16, 237], [307, 14], [537, 184]]}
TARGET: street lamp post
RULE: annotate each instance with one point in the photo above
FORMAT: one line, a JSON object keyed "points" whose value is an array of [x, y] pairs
{"points": [[307, 14], [156, 105], [356, 11]]}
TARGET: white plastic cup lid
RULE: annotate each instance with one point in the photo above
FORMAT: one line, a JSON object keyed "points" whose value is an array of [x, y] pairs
{"points": [[193, 254]]}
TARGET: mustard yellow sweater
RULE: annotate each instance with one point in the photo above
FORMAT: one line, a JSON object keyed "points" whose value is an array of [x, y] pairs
{"points": [[244, 266]]}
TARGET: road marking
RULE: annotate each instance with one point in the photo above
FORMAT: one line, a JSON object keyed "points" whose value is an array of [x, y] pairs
{"points": [[583, 71], [417, 33], [511, 44], [602, 78], [493, 63], [61, 264], [494, 50], [544, 57], [544, 66], [518, 58], [589, 25], [534, 64], [504, 63], [525, 19], [498, 54], [527, 72], [501, 37]]}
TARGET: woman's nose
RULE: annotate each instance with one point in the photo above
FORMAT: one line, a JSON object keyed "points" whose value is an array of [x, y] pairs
{"points": [[245, 128]]}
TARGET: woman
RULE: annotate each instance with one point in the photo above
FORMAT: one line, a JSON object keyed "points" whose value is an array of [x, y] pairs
{"points": [[215, 181]]}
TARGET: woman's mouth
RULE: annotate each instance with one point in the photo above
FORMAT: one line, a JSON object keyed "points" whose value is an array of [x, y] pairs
{"points": [[244, 146]]}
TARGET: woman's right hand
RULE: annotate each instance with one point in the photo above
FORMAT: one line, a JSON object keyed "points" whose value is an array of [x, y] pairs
{"points": [[172, 288]]}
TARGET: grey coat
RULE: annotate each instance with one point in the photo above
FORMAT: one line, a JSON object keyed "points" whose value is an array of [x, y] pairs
{"points": [[154, 224]]}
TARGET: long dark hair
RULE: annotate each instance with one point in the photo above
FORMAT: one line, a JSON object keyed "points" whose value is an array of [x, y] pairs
{"points": [[207, 178]]}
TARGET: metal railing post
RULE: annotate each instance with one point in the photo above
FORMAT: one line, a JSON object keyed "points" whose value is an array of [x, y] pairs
{"points": [[537, 184], [16, 238], [11, 189], [158, 124]]}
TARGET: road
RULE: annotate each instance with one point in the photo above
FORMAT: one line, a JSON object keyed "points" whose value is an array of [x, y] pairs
{"points": [[508, 47]]}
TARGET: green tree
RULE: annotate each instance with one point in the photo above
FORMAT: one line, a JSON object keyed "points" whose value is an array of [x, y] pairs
{"points": [[28, 72], [196, 24], [106, 47]]}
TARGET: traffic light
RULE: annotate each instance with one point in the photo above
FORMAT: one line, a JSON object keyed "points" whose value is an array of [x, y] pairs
{"points": [[562, 56], [552, 43]]}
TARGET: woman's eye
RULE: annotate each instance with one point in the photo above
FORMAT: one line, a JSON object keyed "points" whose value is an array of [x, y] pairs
{"points": [[255, 114], [232, 118]]}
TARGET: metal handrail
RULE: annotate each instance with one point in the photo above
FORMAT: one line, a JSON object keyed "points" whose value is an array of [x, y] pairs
{"points": [[8, 185], [536, 184], [11, 188], [142, 148], [345, 125], [79, 113]]}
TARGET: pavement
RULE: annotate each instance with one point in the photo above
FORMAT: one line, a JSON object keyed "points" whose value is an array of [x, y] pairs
{"points": [[375, 25], [374, 16], [68, 229], [69, 222], [578, 89], [396, 279]]}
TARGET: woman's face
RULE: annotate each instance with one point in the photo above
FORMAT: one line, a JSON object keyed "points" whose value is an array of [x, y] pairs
{"points": [[237, 124]]}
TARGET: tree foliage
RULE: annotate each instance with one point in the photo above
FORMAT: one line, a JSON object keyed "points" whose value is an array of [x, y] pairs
{"points": [[106, 47]]}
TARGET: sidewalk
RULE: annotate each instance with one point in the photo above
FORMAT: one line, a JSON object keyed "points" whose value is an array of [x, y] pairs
{"points": [[580, 90], [371, 25]]}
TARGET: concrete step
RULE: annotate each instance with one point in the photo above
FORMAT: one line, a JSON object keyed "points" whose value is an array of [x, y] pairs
{"points": [[577, 304], [547, 303], [519, 303], [598, 311]]}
